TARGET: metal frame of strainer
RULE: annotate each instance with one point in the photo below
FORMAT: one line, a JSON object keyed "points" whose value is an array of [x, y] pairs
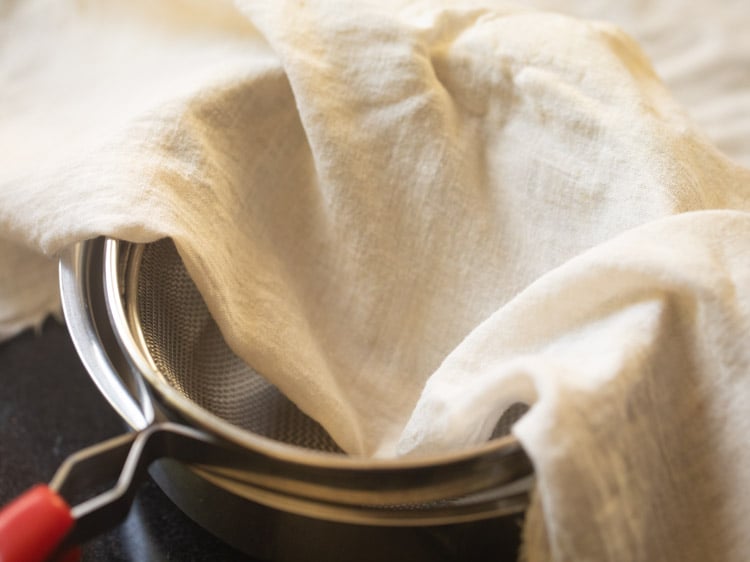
{"points": [[480, 482]]}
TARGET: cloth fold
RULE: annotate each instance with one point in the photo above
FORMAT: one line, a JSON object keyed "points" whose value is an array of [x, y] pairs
{"points": [[407, 216], [639, 376]]}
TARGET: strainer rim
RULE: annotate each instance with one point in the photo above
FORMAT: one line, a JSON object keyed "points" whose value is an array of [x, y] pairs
{"points": [[136, 351]]}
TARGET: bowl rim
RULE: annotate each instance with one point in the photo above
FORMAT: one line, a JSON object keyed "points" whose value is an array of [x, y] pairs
{"points": [[341, 481]]}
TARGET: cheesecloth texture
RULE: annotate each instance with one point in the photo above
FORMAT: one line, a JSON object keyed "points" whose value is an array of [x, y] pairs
{"points": [[411, 215]]}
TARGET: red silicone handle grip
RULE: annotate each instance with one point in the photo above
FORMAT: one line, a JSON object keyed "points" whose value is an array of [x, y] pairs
{"points": [[33, 525]]}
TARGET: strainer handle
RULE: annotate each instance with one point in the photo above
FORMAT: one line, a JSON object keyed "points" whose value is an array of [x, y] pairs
{"points": [[41, 524], [33, 526]]}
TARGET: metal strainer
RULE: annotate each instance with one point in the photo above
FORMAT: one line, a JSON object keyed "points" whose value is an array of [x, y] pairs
{"points": [[169, 337], [147, 339]]}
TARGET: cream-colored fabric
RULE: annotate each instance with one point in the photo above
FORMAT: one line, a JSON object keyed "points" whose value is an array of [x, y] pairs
{"points": [[376, 195], [699, 48], [635, 355]]}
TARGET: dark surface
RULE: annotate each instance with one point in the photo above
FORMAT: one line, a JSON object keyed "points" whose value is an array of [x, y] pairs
{"points": [[49, 408]]}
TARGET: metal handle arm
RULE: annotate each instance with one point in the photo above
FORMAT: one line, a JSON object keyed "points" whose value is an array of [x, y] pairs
{"points": [[123, 460]]}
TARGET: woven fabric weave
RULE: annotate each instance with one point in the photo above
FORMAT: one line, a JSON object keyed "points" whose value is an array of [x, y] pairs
{"points": [[411, 215]]}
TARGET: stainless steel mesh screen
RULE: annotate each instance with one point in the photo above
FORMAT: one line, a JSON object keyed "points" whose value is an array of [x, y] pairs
{"points": [[189, 350]]}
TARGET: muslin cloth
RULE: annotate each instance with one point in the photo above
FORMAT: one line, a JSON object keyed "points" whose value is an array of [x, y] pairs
{"points": [[410, 215]]}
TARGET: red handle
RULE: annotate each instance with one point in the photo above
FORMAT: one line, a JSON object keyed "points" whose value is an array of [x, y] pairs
{"points": [[33, 525]]}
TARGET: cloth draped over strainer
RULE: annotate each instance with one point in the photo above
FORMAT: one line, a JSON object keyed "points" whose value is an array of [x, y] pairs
{"points": [[409, 216]]}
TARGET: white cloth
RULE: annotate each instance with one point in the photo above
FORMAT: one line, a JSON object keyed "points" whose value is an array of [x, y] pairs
{"points": [[375, 195], [635, 355], [700, 48]]}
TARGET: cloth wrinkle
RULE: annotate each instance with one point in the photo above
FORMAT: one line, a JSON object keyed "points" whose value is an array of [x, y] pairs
{"points": [[409, 216]]}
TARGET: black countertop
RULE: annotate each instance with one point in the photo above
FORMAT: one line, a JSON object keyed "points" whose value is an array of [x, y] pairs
{"points": [[49, 408]]}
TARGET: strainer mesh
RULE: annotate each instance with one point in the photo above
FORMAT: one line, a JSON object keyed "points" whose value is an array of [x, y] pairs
{"points": [[190, 352]]}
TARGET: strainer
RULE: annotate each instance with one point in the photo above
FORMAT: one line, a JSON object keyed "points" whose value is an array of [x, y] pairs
{"points": [[149, 343]]}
